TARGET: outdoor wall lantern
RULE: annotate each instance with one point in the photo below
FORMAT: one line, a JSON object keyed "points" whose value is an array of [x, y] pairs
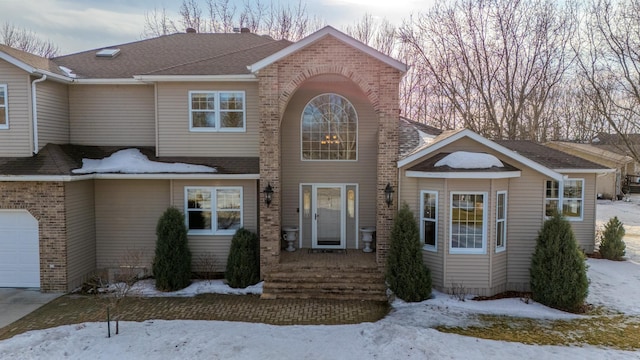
{"points": [[388, 194], [268, 194]]}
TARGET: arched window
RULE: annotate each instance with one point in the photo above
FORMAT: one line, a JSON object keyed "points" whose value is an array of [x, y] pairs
{"points": [[329, 129]]}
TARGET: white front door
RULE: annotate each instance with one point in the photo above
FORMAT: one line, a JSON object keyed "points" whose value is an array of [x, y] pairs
{"points": [[328, 218]]}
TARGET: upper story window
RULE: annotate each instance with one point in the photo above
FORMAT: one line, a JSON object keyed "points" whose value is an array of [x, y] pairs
{"points": [[4, 109], [468, 223], [217, 111], [571, 196], [329, 129], [213, 210], [429, 219]]}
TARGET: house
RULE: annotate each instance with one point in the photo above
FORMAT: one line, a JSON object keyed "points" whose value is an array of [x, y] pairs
{"points": [[610, 185], [240, 130]]}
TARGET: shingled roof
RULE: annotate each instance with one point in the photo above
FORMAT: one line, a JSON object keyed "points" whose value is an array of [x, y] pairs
{"points": [[548, 157], [176, 54], [60, 160], [35, 61]]}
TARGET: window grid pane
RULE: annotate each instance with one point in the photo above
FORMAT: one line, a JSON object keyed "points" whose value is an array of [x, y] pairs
{"points": [[329, 129], [467, 221]]}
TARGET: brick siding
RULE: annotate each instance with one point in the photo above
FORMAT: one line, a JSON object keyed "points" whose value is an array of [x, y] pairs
{"points": [[45, 202], [279, 81]]}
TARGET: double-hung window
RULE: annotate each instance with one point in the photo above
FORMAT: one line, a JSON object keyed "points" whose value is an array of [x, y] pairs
{"points": [[217, 111], [213, 210], [569, 199], [468, 223], [501, 221], [4, 108], [429, 219]]}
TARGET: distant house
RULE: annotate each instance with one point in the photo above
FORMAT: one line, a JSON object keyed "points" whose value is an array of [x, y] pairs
{"points": [[609, 185], [302, 139]]}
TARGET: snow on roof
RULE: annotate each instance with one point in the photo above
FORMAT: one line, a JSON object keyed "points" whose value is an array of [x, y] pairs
{"points": [[132, 161], [469, 160], [67, 71]]}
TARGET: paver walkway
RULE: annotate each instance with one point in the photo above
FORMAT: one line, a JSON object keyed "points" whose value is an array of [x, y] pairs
{"points": [[73, 309]]}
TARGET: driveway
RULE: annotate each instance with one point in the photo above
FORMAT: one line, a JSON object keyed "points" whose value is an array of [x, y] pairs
{"points": [[16, 303]]}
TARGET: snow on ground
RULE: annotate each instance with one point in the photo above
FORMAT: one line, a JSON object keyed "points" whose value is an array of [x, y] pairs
{"points": [[406, 333]]}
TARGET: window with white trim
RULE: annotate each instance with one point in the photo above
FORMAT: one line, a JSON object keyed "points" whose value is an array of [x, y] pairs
{"points": [[329, 129], [4, 107], [213, 210], [429, 219], [501, 221], [571, 197], [468, 223], [217, 111]]}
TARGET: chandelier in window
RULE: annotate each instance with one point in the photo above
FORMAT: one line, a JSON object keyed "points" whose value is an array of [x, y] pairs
{"points": [[330, 139]]}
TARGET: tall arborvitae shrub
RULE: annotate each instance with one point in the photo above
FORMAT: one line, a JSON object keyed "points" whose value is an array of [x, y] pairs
{"points": [[611, 245], [243, 263], [558, 269], [407, 276], [172, 263]]}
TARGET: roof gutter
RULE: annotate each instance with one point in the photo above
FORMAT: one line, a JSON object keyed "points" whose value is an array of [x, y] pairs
{"points": [[34, 112]]}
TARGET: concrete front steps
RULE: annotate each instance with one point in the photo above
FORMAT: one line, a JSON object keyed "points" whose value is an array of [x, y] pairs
{"points": [[325, 281]]}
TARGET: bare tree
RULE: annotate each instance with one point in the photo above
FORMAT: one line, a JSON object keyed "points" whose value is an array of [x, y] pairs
{"points": [[276, 20], [380, 35], [158, 23], [491, 66], [609, 63], [27, 40], [191, 14]]}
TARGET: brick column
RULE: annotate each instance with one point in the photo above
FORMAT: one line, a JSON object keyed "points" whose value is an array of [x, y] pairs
{"points": [[388, 118], [269, 168]]}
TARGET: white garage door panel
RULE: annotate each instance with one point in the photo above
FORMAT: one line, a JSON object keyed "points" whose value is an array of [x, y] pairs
{"points": [[19, 250]]}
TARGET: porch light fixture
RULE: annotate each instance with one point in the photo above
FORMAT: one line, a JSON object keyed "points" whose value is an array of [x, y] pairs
{"points": [[388, 194], [268, 194]]}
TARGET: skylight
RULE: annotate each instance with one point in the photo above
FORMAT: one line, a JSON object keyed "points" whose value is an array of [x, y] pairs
{"points": [[108, 52]]}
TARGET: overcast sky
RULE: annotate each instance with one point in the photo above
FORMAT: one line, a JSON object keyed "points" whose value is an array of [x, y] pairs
{"points": [[78, 25]]}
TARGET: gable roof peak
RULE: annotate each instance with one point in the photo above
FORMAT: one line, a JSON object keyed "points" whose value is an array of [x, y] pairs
{"points": [[320, 34]]}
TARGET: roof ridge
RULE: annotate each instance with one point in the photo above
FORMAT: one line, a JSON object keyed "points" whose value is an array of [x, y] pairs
{"points": [[213, 57]]}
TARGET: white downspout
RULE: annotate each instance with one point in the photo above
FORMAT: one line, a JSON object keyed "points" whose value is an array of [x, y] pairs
{"points": [[34, 112]]}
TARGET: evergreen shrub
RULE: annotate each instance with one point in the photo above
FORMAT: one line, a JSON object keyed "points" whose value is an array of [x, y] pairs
{"points": [[612, 246], [243, 263], [172, 262], [407, 275], [558, 268]]}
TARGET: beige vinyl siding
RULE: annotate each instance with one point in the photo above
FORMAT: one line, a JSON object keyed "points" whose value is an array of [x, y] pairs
{"points": [[16, 141], [52, 99], [81, 231], [217, 246], [174, 137], [112, 115], [127, 212], [361, 172]]}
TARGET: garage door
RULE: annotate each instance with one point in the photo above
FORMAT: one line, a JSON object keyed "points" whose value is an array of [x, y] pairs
{"points": [[19, 250]]}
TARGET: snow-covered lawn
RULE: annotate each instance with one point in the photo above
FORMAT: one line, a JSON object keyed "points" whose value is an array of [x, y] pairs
{"points": [[406, 333]]}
